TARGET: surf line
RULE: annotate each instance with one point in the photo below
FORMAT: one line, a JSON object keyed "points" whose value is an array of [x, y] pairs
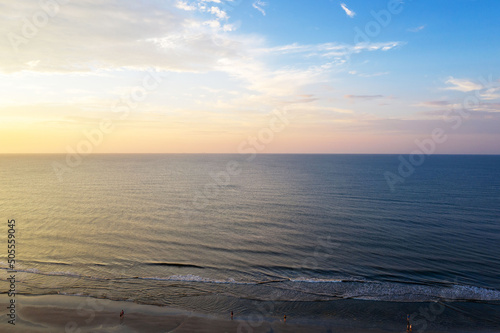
{"points": [[11, 271]]}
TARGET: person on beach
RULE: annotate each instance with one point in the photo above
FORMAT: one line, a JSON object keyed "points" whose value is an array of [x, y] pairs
{"points": [[231, 315], [408, 325], [284, 319], [122, 314]]}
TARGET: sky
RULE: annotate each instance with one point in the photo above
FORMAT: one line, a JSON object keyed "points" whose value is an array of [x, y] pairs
{"points": [[277, 76]]}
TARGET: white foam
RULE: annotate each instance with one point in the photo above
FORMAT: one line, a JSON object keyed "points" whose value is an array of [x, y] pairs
{"points": [[71, 294], [336, 288], [315, 280], [195, 278]]}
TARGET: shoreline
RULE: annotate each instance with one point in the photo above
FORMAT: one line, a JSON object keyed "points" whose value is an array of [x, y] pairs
{"points": [[64, 313]]}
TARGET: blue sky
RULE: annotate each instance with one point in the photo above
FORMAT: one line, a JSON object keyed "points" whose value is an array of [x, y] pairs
{"points": [[350, 83]]}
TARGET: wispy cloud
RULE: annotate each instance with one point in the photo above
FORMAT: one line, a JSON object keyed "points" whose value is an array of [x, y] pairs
{"points": [[487, 93], [491, 94], [333, 49], [417, 29], [462, 85], [259, 6], [368, 75], [349, 12]]}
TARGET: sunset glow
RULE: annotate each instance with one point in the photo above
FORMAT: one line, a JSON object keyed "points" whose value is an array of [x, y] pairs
{"points": [[204, 76]]}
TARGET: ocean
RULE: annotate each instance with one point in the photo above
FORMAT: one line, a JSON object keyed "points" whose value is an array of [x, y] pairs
{"points": [[313, 236]]}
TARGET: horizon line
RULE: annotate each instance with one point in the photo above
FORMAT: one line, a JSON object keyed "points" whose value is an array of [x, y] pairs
{"points": [[404, 154]]}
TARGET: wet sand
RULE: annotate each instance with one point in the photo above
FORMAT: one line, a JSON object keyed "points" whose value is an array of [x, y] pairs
{"points": [[83, 314]]}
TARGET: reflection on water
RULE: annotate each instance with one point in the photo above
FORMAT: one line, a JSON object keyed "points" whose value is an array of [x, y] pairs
{"points": [[290, 227]]}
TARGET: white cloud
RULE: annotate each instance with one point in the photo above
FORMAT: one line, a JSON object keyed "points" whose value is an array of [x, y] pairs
{"points": [[125, 35], [202, 7], [258, 5], [185, 6], [228, 27], [349, 12], [289, 80], [331, 50], [491, 94], [462, 85], [212, 23], [219, 13], [89, 35], [417, 29]]}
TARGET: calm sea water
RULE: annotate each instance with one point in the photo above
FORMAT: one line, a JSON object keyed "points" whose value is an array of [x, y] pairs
{"points": [[298, 230]]}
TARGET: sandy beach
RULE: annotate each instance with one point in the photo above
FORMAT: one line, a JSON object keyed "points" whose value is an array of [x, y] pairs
{"points": [[60, 313], [82, 314]]}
